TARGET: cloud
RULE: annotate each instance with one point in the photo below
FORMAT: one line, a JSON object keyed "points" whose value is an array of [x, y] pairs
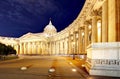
{"points": [[34, 14], [25, 11]]}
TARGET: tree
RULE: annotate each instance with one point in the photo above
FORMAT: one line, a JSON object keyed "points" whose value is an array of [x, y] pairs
{"points": [[10, 50], [2, 48], [6, 50]]}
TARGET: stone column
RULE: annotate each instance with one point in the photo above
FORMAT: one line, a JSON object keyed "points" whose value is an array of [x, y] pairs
{"points": [[40, 48], [35, 48], [49, 48], [69, 44], [21, 48], [86, 37], [52, 47], [47, 51], [63, 48], [59, 47], [83, 40], [58, 50], [18, 49], [80, 40], [32, 47], [118, 20], [75, 43], [24, 48], [105, 21], [29, 48], [112, 20], [55, 47], [94, 28]]}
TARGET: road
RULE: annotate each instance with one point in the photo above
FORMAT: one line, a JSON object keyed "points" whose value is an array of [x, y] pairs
{"points": [[37, 68]]}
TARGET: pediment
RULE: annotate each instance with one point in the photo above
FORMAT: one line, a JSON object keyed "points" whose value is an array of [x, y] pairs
{"points": [[32, 36]]}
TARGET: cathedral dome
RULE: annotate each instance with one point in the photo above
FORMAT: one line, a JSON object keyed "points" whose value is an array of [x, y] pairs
{"points": [[50, 29]]}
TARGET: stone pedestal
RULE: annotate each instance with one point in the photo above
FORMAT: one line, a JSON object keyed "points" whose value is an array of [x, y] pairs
{"points": [[103, 59]]}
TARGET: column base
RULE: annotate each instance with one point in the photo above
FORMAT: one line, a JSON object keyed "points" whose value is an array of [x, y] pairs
{"points": [[103, 59], [103, 71]]}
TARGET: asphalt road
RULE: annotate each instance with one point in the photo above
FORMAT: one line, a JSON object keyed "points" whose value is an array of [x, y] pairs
{"points": [[38, 68]]}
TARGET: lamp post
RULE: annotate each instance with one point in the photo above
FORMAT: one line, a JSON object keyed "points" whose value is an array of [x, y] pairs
{"points": [[73, 45]]}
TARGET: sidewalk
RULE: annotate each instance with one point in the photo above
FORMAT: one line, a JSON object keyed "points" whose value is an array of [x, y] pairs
{"points": [[79, 63]]}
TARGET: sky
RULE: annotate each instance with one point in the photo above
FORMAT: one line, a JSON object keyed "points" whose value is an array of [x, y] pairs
{"points": [[18, 17]]}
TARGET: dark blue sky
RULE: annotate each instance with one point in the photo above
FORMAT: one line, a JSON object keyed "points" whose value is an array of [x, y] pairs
{"points": [[18, 17]]}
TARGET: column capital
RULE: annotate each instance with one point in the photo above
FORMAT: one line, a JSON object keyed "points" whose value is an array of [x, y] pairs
{"points": [[97, 12], [87, 22], [75, 32], [81, 28]]}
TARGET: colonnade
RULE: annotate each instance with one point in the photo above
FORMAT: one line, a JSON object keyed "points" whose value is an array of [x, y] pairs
{"points": [[94, 29], [105, 40], [32, 48], [96, 32]]}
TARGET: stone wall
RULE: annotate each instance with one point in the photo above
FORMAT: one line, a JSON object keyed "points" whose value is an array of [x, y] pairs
{"points": [[103, 59]]}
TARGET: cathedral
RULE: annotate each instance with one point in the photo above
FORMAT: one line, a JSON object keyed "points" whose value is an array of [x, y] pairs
{"points": [[95, 33], [34, 43]]}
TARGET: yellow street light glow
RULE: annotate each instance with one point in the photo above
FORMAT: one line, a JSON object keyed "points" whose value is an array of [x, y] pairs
{"points": [[74, 70], [83, 65], [52, 70], [23, 68], [70, 63]]}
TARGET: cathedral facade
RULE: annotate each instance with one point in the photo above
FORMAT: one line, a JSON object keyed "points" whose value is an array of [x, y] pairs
{"points": [[95, 33]]}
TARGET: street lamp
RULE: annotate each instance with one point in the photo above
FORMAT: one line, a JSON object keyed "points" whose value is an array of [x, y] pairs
{"points": [[73, 45]]}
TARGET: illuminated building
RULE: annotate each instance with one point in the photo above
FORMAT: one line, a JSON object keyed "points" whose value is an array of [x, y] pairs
{"points": [[95, 33]]}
